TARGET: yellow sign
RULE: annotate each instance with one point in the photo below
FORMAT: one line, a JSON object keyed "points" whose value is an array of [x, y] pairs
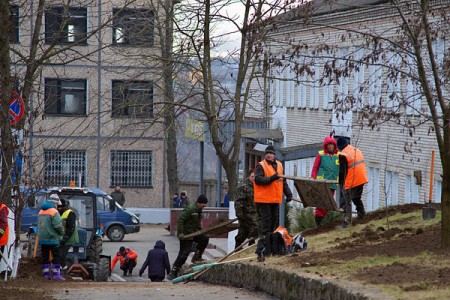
{"points": [[195, 129]]}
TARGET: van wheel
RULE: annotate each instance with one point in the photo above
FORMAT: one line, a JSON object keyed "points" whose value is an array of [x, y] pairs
{"points": [[116, 233]]}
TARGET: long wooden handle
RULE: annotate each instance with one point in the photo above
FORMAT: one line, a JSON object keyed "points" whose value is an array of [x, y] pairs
{"points": [[235, 251], [207, 266], [202, 231], [308, 179]]}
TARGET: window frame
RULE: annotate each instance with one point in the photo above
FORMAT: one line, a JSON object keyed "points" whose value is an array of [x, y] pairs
{"points": [[126, 174], [126, 19], [121, 105], [65, 16], [58, 89], [61, 160], [14, 36]]}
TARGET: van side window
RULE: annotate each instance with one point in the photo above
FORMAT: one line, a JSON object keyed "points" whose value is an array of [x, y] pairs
{"points": [[101, 205]]}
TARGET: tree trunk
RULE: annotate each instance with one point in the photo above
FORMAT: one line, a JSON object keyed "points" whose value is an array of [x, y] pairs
{"points": [[445, 197], [169, 111], [7, 147]]}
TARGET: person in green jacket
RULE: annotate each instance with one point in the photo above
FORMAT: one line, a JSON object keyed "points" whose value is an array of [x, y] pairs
{"points": [[70, 237], [244, 206], [50, 231], [190, 222]]}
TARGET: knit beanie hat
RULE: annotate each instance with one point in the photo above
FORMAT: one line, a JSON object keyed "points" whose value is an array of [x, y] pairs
{"points": [[54, 199], [269, 149], [341, 143], [202, 199]]}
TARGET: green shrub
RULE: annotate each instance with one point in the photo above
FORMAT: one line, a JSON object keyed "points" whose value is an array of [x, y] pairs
{"points": [[331, 216], [303, 218]]}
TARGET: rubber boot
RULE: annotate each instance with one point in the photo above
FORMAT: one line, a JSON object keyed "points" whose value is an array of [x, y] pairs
{"points": [[56, 271], [197, 258], [46, 271], [260, 249], [173, 273]]}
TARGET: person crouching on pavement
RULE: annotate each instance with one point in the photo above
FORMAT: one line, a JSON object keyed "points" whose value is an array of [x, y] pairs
{"points": [[50, 231], [128, 260], [157, 262], [189, 222]]}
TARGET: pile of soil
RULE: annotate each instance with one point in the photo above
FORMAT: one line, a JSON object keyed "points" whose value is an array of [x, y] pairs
{"points": [[29, 283], [384, 242]]}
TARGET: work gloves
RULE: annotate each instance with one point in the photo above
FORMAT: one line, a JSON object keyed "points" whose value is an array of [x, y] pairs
{"points": [[181, 236], [274, 177], [289, 199]]}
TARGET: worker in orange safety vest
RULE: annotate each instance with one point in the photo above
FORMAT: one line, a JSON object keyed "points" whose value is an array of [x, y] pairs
{"points": [[353, 175]]}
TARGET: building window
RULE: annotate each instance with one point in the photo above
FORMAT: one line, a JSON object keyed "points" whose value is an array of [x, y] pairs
{"points": [[133, 27], [132, 99], [411, 189], [14, 19], [65, 97], [131, 168], [66, 25], [63, 166], [391, 187]]}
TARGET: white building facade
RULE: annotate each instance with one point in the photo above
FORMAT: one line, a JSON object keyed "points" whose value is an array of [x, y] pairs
{"points": [[324, 62]]}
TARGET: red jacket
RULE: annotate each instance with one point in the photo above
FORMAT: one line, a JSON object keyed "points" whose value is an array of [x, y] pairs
{"points": [[4, 228], [128, 253]]}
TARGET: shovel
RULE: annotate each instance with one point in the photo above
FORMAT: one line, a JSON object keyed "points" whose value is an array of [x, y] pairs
{"points": [[430, 212], [201, 268]]}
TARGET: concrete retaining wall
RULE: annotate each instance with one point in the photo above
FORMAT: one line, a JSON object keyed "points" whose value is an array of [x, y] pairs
{"points": [[280, 284]]}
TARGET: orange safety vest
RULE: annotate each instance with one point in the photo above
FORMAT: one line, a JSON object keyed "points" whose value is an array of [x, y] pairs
{"points": [[4, 239], [271, 193], [356, 171], [286, 236]]}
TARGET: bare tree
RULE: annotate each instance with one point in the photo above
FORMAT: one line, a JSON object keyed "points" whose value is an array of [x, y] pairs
{"points": [[198, 39], [404, 46]]}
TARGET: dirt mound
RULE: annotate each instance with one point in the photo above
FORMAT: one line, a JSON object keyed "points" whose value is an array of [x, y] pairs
{"points": [[405, 254]]}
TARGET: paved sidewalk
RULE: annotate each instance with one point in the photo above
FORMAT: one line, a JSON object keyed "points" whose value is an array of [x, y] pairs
{"points": [[143, 241]]}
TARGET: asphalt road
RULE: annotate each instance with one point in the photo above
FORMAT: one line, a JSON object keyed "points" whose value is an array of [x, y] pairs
{"points": [[136, 287], [141, 243]]}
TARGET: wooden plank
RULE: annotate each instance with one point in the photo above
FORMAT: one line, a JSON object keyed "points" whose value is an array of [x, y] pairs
{"points": [[216, 230], [308, 179], [314, 192]]}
